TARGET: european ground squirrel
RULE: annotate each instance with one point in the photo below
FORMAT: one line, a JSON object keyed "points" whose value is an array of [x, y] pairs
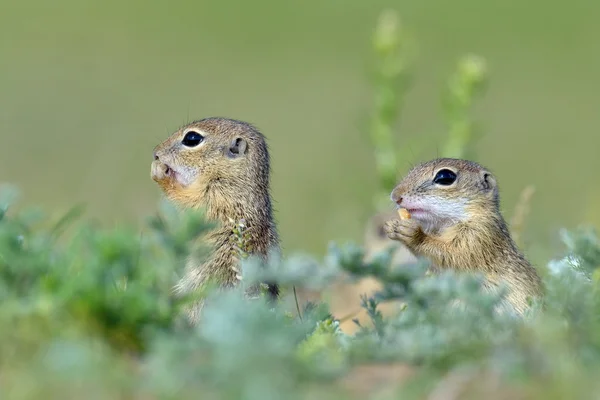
{"points": [[223, 166], [455, 222]]}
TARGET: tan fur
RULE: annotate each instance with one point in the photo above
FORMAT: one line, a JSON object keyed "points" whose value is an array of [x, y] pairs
{"points": [[477, 241], [228, 188]]}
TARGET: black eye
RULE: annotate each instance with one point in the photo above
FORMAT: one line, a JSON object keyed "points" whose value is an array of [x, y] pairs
{"points": [[444, 177], [192, 139]]}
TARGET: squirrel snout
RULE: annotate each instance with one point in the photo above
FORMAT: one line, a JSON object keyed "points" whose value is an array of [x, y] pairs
{"points": [[155, 156], [396, 197]]}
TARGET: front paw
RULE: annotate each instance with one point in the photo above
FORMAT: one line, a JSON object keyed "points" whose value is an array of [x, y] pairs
{"points": [[406, 231]]}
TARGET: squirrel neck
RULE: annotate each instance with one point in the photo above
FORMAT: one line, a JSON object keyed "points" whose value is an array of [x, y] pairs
{"points": [[484, 225], [230, 201], [491, 232]]}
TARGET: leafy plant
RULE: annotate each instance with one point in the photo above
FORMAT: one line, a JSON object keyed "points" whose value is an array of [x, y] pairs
{"points": [[96, 314]]}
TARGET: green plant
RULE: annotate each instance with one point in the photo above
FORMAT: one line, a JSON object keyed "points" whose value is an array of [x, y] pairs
{"points": [[96, 315], [391, 80], [468, 82]]}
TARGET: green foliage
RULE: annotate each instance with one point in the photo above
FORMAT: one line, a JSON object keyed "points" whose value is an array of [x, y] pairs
{"points": [[391, 81], [464, 86], [96, 314], [584, 249]]}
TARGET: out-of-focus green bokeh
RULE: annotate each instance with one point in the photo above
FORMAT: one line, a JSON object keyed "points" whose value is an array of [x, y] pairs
{"points": [[87, 88]]}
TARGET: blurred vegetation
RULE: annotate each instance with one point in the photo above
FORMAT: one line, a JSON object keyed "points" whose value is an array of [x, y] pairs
{"points": [[96, 317]]}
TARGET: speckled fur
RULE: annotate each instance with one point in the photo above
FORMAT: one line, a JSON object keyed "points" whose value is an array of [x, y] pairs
{"points": [[228, 188], [465, 229]]}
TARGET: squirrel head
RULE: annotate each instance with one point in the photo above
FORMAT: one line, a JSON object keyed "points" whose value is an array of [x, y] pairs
{"points": [[210, 161], [446, 191]]}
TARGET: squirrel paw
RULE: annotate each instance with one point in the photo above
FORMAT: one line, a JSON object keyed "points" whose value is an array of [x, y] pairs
{"points": [[406, 230]]}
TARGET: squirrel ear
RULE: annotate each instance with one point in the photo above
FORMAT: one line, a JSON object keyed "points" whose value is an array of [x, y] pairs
{"points": [[488, 180], [237, 147]]}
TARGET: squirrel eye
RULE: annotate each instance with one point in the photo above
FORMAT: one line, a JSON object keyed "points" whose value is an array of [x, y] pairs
{"points": [[444, 177], [192, 139]]}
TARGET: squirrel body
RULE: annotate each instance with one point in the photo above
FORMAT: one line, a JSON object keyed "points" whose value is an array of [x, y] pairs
{"points": [[221, 165], [456, 223]]}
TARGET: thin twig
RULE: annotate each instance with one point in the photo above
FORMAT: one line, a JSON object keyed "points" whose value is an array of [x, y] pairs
{"points": [[520, 214], [297, 305]]}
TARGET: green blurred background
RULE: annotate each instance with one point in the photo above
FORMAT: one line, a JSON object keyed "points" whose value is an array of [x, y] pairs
{"points": [[87, 88]]}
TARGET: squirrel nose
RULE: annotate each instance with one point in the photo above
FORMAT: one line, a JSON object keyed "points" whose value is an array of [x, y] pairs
{"points": [[395, 197], [155, 156]]}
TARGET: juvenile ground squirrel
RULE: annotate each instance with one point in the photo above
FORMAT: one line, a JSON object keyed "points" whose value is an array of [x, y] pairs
{"points": [[455, 222], [223, 166]]}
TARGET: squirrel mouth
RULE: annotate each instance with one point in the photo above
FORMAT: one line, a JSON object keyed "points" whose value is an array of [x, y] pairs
{"points": [[417, 211], [169, 171], [161, 171]]}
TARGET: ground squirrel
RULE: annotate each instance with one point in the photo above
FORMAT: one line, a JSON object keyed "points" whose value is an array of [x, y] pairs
{"points": [[223, 166], [455, 222]]}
